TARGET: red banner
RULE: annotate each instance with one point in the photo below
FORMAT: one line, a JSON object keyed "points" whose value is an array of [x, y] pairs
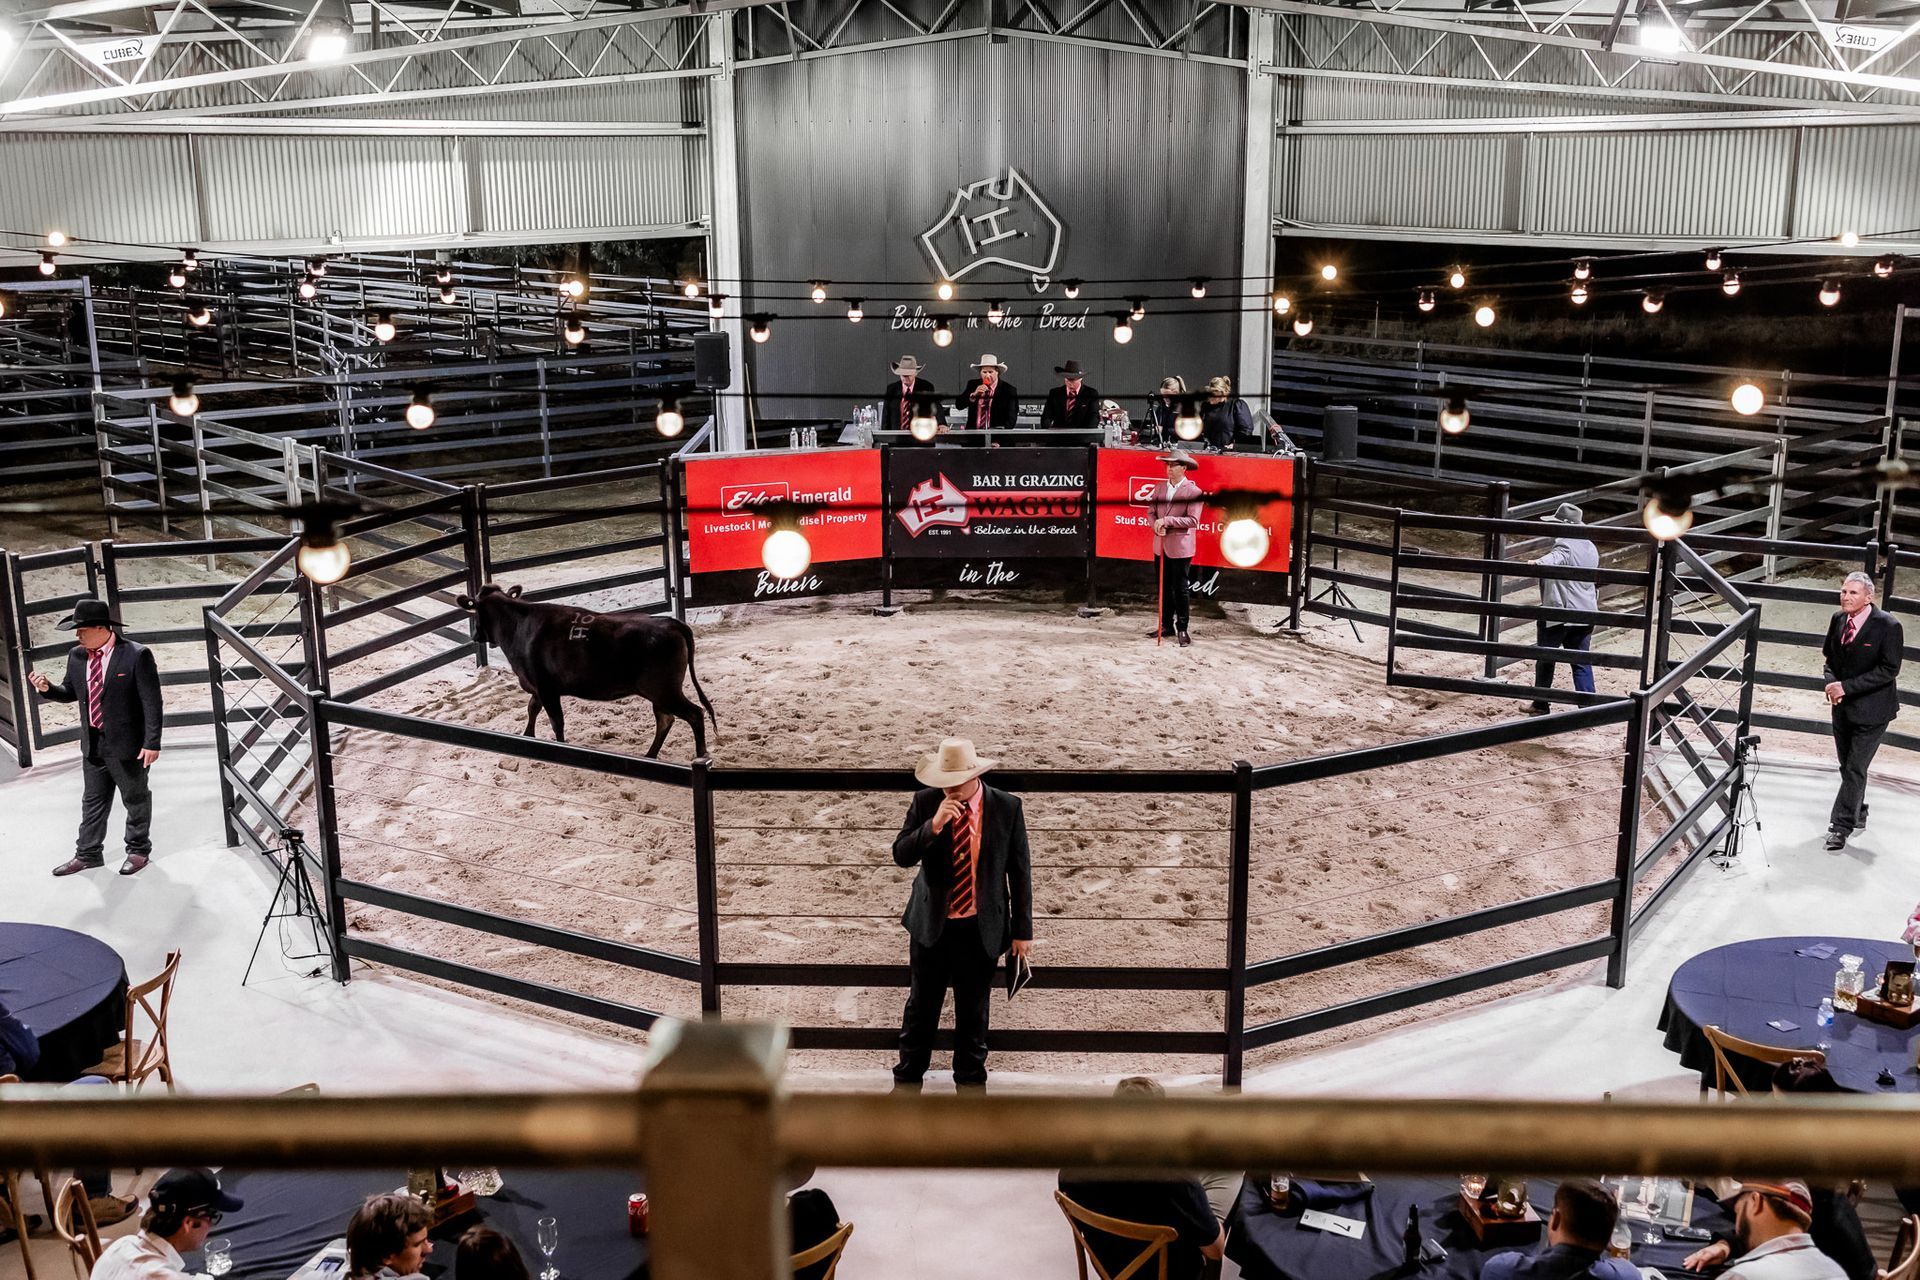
{"points": [[723, 533], [1125, 479]]}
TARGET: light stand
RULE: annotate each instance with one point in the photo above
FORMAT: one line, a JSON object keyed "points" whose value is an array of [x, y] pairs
{"points": [[1741, 799], [301, 903]]}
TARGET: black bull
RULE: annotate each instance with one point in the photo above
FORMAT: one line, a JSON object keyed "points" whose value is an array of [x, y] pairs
{"points": [[560, 650]]}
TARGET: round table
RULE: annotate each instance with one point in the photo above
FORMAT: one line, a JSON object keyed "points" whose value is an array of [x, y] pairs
{"points": [[1269, 1245], [290, 1216], [1742, 987], [69, 988]]}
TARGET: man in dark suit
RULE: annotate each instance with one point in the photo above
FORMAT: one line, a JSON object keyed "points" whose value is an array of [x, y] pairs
{"points": [[1073, 405], [118, 688], [971, 903], [908, 391], [990, 399], [1861, 667]]}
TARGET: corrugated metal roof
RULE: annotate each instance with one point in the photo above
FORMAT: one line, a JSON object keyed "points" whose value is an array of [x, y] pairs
{"points": [[105, 187]]}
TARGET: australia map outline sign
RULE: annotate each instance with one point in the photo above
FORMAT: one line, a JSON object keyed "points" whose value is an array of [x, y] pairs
{"points": [[996, 222], [1004, 518]]}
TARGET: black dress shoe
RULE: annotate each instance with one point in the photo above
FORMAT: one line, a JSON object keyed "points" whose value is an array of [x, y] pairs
{"points": [[1538, 709], [74, 866], [1836, 839], [1862, 824], [1185, 639]]}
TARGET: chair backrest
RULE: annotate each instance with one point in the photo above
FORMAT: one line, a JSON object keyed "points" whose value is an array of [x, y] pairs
{"points": [[828, 1249], [1724, 1044], [1156, 1239], [9, 1078], [1906, 1252], [153, 998], [73, 1222]]}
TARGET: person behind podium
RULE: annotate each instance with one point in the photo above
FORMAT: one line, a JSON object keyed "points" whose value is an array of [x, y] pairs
{"points": [[1073, 405], [991, 400], [1163, 406], [907, 392], [1225, 417]]}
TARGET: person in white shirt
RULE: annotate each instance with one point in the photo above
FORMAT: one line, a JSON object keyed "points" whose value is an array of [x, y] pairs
{"points": [[184, 1205], [1770, 1222]]}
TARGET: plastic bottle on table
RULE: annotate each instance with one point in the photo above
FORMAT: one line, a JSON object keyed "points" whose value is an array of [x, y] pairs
{"points": [[1825, 1016]]}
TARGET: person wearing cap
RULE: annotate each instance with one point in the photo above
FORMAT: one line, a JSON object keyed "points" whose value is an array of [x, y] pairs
{"points": [[972, 902], [1570, 551], [184, 1205], [1771, 1222], [908, 391], [1174, 509], [1073, 405], [1578, 1231], [991, 400], [117, 685]]}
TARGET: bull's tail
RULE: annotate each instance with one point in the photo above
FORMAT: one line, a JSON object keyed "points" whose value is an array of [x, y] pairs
{"points": [[686, 633]]}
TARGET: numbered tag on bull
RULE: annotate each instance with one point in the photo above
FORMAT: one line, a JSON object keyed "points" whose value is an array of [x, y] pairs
{"points": [[582, 622]]}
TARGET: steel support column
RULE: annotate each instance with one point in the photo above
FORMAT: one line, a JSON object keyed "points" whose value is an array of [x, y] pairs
{"points": [[1254, 375], [724, 264]]}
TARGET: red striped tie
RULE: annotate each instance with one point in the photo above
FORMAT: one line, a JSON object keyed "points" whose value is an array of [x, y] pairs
{"points": [[906, 405], [96, 685], [965, 846], [1853, 629]]}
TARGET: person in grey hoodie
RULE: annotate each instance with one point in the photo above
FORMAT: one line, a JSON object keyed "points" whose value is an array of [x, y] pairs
{"points": [[1573, 552]]}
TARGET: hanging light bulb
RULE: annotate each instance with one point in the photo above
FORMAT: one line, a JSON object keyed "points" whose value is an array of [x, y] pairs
{"points": [[855, 311], [1122, 329], [945, 291], [996, 311], [184, 401], [1457, 279], [200, 316], [786, 553], [1579, 295], [1136, 309], [819, 292], [57, 239], [574, 332], [1426, 300], [1199, 287], [691, 289], [1186, 422], [1883, 267], [1070, 288], [177, 277], [923, 426], [443, 274], [1730, 285], [1652, 302], [3, 305], [669, 421], [1282, 304], [190, 259], [447, 295], [1483, 316], [1829, 293], [1748, 399], [1714, 259], [383, 326], [1850, 239], [1329, 272], [573, 287], [1667, 512], [716, 306], [328, 40], [1303, 325], [1583, 269], [1244, 542], [322, 556], [307, 290], [420, 413], [317, 267], [47, 267], [1454, 417], [942, 332], [761, 328]]}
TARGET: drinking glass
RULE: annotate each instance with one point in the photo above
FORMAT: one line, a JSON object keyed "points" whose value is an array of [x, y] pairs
{"points": [[1651, 1234], [549, 1240], [1473, 1185], [1279, 1187], [219, 1254]]}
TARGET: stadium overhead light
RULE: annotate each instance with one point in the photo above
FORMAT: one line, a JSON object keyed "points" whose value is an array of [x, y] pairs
{"points": [[1329, 272]]}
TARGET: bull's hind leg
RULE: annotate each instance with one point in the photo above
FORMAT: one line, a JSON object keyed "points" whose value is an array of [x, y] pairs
{"points": [[551, 701], [533, 713], [689, 711], [662, 725]]}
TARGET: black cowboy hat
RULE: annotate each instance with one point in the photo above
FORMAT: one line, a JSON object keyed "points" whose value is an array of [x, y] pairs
{"points": [[87, 612], [1071, 368]]}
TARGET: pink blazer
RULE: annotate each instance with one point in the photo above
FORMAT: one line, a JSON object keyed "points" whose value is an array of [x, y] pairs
{"points": [[1181, 510]]}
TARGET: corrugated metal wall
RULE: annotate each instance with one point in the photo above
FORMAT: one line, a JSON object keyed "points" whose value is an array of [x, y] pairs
{"points": [[137, 189], [551, 184]]}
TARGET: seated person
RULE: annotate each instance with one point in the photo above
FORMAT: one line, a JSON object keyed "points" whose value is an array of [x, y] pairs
{"points": [[19, 1047], [1180, 1203], [485, 1254], [1584, 1214], [1770, 1235], [387, 1237], [812, 1218], [184, 1205]]}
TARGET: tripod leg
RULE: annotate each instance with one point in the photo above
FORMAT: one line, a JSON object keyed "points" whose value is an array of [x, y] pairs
{"points": [[309, 901], [286, 872]]}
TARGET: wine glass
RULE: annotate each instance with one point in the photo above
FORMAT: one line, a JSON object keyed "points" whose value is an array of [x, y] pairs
{"points": [[549, 1239], [1652, 1234], [219, 1255]]}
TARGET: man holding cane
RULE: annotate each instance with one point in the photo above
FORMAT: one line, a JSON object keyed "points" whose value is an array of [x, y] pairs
{"points": [[1174, 509]]}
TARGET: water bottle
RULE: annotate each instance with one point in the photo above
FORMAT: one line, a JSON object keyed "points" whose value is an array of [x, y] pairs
{"points": [[1825, 1016], [793, 437]]}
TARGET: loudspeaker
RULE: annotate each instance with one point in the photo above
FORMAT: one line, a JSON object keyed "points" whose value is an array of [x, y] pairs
{"points": [[712, 361], [1340, 433]]}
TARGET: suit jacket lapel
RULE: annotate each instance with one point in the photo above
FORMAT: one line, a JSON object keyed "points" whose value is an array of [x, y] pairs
{"points": [[993, 821]]}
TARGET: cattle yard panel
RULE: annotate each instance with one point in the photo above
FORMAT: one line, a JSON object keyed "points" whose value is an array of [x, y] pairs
{"points": [[610, 526]]}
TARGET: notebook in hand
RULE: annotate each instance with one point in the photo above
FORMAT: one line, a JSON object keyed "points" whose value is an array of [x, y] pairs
{"points": [[1019, 974]]}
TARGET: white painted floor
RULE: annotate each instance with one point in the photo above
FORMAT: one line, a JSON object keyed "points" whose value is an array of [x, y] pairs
{"points": [[384, 1032]]}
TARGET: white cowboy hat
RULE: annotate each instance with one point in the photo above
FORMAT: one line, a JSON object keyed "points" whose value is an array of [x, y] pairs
{"points": [[906, 364], [952, 764], [990, 362]]}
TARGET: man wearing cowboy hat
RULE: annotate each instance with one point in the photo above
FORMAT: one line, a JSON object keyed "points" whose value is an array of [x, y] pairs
{"points": [[1073, 405], [971, 903], [118, 688], [908, 391], [1569, 552], [991, 400], [1174, 509]]}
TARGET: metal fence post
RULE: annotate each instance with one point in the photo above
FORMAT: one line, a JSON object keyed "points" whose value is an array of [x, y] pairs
{"points": [[313, 634], [706, 887], [159, 469], [222, 745], [473, 520], [1646, 435], [1493, 586], [1303, 539], [1659, 613], [319, 736], [200, 479], [1240, 858], [1776, 500], [1627, 851], [546, 430], [13, 634]]}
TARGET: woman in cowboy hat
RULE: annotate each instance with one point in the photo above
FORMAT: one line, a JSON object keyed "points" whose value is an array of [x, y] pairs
{"points": [[1174, 509], [991, 400], [118, 688], [1073, 405], [908, 391], [972, 902]]}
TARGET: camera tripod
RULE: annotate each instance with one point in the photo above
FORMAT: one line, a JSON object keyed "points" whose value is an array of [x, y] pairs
{"points": [[1740, 799], [294, 899]]}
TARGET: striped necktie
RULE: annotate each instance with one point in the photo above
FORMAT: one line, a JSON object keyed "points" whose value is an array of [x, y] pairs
{"points": [[966, 845], [1853, 627], [96, 685]]}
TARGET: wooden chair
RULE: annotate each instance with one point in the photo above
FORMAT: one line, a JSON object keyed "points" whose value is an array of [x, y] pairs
{"points": [[73, 1223], [829, 1251], [1154, 1239], [1724, 1044], [132, 1060], [20, 1223], [1906, 1252]]}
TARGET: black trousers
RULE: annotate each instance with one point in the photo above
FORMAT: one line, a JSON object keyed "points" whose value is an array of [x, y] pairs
{"points": [[1854, 744], [959, 960], [1173, 593], [101, 779]]}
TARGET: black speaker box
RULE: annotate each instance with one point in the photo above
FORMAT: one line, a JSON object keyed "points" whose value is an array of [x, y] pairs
{"points": [[712, 361]]}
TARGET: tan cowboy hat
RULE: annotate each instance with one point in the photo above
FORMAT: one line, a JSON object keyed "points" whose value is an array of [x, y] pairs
{"points": [[952, 764], [990, 362], [1180, 456], [906, 364]]}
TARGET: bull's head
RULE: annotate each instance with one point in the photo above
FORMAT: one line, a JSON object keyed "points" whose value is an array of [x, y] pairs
{"points": [[490, 593]]}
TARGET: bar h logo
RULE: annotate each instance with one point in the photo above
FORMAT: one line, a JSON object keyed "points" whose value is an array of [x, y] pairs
{"points": [[932, 502], [740, 497], [941, 502], [995, 222], [1140, 489]]}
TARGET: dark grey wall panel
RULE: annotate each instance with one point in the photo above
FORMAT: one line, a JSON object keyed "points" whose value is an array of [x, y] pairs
{"points": [[846, 161]]}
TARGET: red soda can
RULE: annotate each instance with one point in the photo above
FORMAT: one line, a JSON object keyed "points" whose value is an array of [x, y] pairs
{"points": [[637, 1211]]}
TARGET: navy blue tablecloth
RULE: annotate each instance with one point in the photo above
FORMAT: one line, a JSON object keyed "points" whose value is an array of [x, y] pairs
{"points": [[1270, 1245], [1742, 987], [71, 989], [289, 1217]]}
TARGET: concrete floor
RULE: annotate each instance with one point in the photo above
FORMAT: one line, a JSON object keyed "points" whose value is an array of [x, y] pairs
{"points": [[385, 1032]]}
